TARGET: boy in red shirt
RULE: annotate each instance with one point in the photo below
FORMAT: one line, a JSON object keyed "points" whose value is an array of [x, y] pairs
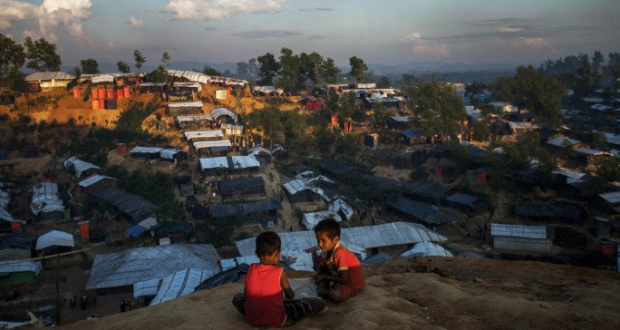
{"points": [[339, 274], [262, 303]]}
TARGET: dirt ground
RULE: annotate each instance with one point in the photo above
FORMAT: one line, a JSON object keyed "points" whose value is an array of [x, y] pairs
{"points": [[427, 293]]}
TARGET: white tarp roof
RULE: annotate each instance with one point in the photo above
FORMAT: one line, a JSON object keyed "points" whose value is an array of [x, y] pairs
{"points": [[427, 249], [80, 166], [212, 144], [312, 219], [340, 205], [207, 134], [366, 237], [561, 141], [197, 104], [185, 119], [102, 78], [180, 284], [55, 238], [191, 76], [5, 197], [217, 113], [400, 119], [91, 180], [168, 153], [45, 198], [518, 231], [522, 125], [196, 85], [213, 162], [49, 75], [267, 89], [244, 162], [24, 266]]}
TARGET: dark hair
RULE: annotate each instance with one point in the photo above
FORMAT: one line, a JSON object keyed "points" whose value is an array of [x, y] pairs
{"points": [[328, 226], [267, 243]]}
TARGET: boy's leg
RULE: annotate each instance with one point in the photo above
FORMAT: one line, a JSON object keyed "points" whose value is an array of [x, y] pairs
{"points": [[322, 289], [239, 302], [300, 308], [341, 293]]}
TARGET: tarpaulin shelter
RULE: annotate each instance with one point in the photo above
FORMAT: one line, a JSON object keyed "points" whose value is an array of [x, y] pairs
{"points": [[45, 200], [184, 108], [418, 212], [80, 167], [522, 238], [55, 242], [261, 212], [427, 249], [238, 187], [134, 207]]}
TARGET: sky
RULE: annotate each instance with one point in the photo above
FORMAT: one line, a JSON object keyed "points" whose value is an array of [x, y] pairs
{"points": [[388, 32]]}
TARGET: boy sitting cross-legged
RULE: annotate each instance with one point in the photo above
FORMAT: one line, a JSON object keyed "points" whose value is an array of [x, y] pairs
{"points": [[262, 303], [339, 274]]}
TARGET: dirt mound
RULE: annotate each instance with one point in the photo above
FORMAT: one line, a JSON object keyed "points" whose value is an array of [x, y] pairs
{"points": [[428, 293]]}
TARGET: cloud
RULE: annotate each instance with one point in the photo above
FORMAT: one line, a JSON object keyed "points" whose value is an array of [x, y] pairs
{"points": [[413, 36], [50, 15], [520, 43], [136, 22], [220, 9], [440, 50], [111, 44], [266, 34], [317, 9], [501, 21], [508, 29]]}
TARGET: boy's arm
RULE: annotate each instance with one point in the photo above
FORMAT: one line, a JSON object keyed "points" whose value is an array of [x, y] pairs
{"points": [[290, 294], [342, 277]]}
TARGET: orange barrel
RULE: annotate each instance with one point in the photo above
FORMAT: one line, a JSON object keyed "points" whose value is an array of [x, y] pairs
{"points": [[121, 148], [126, 89], [482, 177], [95, 94], [439, 171], [16, 226], [95, 105], [110, 93], [101, 104], [120, 93], [101, 93], [77, 93]]}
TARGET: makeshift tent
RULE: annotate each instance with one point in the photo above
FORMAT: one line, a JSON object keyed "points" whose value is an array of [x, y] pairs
{"points": [[45, 199], [299, 192], [188, 86], [184, 108], [427, 249], [50, 79], [19, 240], [342, 208], [467, 203], [219, 112], [123, 269], [145, 152], [26, 271], [521, 238], [183, 121], [204, 135], [172, 155], [261, 212], [418, 212], [225, 277], [81, 167], [55, 239], [241, 187], [134, 207], [312, 219], [177, 285], [213, 146], [97, 181]]}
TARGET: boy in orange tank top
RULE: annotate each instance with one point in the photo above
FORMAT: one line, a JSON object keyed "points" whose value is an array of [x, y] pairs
{"points": [[262, 303]]}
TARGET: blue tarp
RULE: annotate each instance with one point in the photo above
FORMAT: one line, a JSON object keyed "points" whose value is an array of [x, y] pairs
{"points": [[135, 231], [412, 134]]}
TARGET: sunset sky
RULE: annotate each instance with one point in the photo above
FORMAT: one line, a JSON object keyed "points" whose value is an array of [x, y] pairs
{"points": [[385, 32]]}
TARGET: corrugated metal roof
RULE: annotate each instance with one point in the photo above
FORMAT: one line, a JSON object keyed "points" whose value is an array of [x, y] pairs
{"points": [[241, 162], [145, 150], [146, 288], [185, 105], [79, 166], [217, 113], [213, 163], [206, 134], [395, 233], [49, 75], [91, 180], [168, 153], [185, 119], [612, 198], [569, 173], [518, 231], [427, 249], [180, 284], [18, 240], [141, 264], [55, 238], [212, 144], [312, 219], [227, 264], [295, 186]]}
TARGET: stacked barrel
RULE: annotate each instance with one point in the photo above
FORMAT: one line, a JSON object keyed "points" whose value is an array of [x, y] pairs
{"points": [[107, 98]]}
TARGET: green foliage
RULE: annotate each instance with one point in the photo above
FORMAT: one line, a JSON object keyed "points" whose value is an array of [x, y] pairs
{"points": [[223, 228], [384, 82], [347, 147], [12, 55], [329, 71], [482, 132], [89, 66], [123, 67], [609, 170], [139, 59], [358, 68], [209, 71], [595, 139], [42, 55], [161, 75], [290, 66], [310, 68], [441, 109], [17, 80], [165, 59], [380, 115], [268, 120], [269, 68], [295, 131]]}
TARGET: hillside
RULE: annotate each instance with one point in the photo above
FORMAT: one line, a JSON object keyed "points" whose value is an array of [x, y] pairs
{"points": [[428, 293]]}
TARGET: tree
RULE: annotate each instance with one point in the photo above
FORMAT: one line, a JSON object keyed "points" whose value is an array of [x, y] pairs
{"points": [[161, 75], [585, 76], [384, 82], [139, 59], [289, 71], [310, 67], [77, 71], [503, 89], [123, 67], [597, 59], [358, 68], [11, 55], [268, 69], [89, 66], [609, 170], [482, 132], [253, 69], [243, 70], [441, 109], [42, 55], [269, 120], [165, 59], [380, 115], [329, 72], [17, 80], [540, 94], [295, 131], [209, 71]]}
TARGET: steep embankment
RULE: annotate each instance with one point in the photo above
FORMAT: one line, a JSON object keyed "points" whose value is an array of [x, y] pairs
{"points": [[428, 293]]}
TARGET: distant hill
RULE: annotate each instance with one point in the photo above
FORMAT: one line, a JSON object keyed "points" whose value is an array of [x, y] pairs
{"points": [[148, 67]]}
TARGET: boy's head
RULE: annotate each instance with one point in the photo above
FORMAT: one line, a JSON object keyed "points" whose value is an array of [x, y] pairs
{"points": [[267, 244], [327, 234]]}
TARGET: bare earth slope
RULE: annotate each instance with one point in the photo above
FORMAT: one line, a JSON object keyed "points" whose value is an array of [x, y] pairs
{"points": [[427, 293]]}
